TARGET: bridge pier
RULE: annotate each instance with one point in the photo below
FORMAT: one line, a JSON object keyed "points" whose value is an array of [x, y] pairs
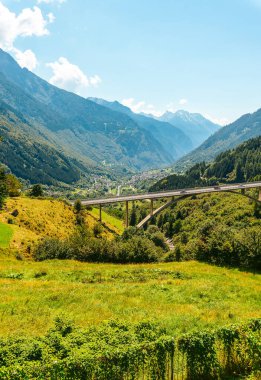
{"points": [[127, 215], [243, 191], [100, 213], [259, 195], [151, 207]]}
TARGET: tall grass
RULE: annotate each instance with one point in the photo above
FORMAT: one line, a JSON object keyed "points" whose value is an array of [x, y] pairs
{"points": [[6, 234], [180, 296]]}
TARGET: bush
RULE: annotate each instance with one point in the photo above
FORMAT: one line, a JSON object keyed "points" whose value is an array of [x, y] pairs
{"points": [[36, 191], [78, 206], [83, 246], [115, 350]]}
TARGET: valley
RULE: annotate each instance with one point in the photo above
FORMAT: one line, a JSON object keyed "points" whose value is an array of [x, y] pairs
{"points": [[91, 291]]}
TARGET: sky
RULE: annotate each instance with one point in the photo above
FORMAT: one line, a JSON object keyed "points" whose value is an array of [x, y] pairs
{"points": [[152, 55]]}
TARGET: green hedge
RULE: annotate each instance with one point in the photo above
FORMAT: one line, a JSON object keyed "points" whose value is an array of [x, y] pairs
{"points": [[118, 351]]}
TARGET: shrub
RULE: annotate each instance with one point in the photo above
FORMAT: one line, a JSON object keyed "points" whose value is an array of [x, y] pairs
{"points": [[36, 191]]}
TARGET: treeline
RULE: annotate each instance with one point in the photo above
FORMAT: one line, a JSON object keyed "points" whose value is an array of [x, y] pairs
{"points": [[241, 164], [90, 246], [119, 351]]}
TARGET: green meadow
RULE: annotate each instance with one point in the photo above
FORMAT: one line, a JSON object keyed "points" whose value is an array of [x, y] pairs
{"points": [[181, 297], [5, 235]]}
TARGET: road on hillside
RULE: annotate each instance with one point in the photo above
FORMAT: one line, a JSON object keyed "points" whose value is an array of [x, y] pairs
{"points": [[171, 193]]}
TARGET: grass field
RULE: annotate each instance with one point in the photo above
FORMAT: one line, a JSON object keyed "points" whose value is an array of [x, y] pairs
{"points": [[6, 234], [118, 225], [180, 296]]}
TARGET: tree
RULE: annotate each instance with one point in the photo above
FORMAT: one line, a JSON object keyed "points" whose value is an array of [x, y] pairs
{"points": [[37, 191], [97, 229], [3, 187], [78, 206], [239, 173], [14, 186]]}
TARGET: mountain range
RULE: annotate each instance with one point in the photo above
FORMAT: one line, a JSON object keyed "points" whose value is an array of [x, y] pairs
{"points": [[87, 134], [246, 127], [175, 141], [51, 135], [194, 125]]}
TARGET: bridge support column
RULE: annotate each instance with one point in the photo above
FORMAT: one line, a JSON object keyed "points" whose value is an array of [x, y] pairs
{"points": [[243, 191], [259, 195], [127, 215], [151, 207], [100, 213]]}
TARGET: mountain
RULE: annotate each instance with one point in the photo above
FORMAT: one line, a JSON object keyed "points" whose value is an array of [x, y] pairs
{"points": [[194, 125], [86, 132], [228, 137], [173, 139], [241, 164], [30, 156]]}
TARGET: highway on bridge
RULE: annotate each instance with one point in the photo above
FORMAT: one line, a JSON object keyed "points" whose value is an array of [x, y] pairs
{"points": [[172, 193]]}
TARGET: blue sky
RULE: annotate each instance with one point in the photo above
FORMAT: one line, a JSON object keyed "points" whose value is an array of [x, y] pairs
{"points": [[199, 55]]}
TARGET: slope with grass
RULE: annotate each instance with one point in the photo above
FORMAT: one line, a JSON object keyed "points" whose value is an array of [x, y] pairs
{"points": [[29, 220], [181, 297], [5, 235]]}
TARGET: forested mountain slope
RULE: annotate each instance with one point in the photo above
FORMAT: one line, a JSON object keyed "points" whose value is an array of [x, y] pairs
{"points": [[31, 156], [85, 130], [237, 165], [243, 129]]}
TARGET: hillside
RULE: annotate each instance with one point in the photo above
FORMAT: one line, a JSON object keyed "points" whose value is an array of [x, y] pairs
{"points": [[241, 164], [175, 141], [222, 229], [40, 218], [228, 137], [30, 155], [84, 130], [194, 125]]}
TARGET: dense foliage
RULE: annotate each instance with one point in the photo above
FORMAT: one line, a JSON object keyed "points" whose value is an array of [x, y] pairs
{"points": [[241, 164], [119, 351], [222, 229], [85, 246], [31, 156], [3, 187], [9, 185]]}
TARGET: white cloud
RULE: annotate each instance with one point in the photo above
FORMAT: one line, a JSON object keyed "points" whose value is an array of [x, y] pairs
{"points": [[95, 80], [26, 59], [140, 106], [29, 22], [51, 17], [70, 77], [183, 101]]}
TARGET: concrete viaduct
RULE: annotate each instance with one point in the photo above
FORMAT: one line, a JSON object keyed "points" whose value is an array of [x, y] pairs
{"points": [[172, 196]]}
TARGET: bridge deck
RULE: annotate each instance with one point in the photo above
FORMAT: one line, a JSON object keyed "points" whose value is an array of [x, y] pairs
{"points": [[171, 193]]}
